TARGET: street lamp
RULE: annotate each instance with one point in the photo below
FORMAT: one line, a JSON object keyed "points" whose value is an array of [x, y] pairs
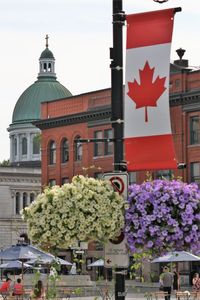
{"points": [[160, 1]]}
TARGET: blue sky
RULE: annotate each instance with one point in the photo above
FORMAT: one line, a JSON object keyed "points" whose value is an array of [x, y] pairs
{"points": [[80, 34]]}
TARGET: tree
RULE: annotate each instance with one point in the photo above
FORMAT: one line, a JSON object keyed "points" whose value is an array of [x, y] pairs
{"points": [[5, 163]]}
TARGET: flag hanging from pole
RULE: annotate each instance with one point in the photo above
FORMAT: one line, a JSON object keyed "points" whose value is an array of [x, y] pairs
{"points": [[148, 137]]}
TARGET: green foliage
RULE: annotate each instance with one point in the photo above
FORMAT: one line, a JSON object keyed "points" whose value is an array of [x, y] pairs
{"points": [[77, 291], [5, 163], [154, 277], [36, 276], [148, 295], [137, 265], [52, 279], [38, 137]]}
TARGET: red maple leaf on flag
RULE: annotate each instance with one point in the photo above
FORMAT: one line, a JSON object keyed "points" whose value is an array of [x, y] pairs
{"points": [[147, 92]]}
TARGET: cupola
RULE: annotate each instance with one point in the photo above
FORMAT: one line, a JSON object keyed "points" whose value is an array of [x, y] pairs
{"points": [[47, 62]]}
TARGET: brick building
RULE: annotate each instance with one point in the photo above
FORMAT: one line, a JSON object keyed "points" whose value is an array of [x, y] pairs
{"points": [[85, 116], [66, 120]]}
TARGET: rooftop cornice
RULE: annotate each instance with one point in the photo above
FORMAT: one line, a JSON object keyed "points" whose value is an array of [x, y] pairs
{"points": [[101, 113], [184, 98]]}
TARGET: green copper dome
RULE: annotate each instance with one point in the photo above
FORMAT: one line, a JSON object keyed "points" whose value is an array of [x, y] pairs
{"points": [[46, 54], [28, 105], [46, 88]]}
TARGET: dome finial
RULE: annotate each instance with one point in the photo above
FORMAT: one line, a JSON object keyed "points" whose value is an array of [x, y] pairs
{"points": [[47, 38]]}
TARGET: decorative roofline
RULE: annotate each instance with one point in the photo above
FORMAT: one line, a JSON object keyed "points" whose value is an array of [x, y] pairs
{"points": [[105, 112], [88, 116], [184, 98]]}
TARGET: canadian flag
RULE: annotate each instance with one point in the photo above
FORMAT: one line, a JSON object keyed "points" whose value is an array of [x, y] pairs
{"points": [[148, 137]]}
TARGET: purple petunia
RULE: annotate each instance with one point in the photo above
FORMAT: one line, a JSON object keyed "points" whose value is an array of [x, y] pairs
{"points": [[163, 215]]}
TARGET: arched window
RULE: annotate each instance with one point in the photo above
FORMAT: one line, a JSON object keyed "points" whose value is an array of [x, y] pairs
{"points": [[52, 153], [15, 146], [24, 238], [78, 149], [24, 146], [36, 144], [17, 203], [25, 200], [49, 67], [52, 182], [32, 197], [45, 67], [65, 151]]}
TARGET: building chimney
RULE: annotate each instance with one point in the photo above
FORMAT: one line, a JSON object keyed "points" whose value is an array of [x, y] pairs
{"points": [[181, 62]]}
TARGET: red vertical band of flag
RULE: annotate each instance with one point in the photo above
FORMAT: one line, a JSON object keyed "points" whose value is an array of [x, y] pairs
{"points": [[148, 138]]}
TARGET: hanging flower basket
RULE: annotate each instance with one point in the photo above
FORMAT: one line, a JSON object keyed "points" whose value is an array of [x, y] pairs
{"points": [[163, 215], [87, 209]]}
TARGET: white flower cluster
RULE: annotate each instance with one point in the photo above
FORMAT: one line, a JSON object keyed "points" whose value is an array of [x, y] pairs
{"points": [[87, 209]]}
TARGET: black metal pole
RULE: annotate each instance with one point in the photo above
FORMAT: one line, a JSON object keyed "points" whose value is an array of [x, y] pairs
{"points": [[116, 55], [117, 109]]}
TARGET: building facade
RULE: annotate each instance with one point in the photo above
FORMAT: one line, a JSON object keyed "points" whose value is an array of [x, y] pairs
{"points": [[87, 116], [24, 136], [20, 182], [185, 116], [18, 188], [66, 122]]}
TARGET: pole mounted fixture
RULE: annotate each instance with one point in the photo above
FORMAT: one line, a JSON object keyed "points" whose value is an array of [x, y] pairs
{"points": [[117, 110], [160, 1]]}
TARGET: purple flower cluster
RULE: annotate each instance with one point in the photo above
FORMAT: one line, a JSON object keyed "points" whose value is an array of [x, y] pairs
{"points": [[162, 216]]}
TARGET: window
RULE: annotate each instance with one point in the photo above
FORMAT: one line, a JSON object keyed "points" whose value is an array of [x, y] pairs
{"points": [[52, 182], [108, 134], [78, 149], [17, 203], [98, 146], [49, 67], [36, 144], [24, 146], [195, 172], [65, 180], [52, 153], [98, 175], [194, 130], [167, 174], [45, 67], [32, 197], [15, 146], [132, 177], [98, 246], [25, 200], [65, 151], [177, 83], [24, 238]]}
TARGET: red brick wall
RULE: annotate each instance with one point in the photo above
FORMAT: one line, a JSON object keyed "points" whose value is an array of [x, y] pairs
{"points": [[76, 104], [184, 82], [89, 165], [180, 83], [193, 151]]}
